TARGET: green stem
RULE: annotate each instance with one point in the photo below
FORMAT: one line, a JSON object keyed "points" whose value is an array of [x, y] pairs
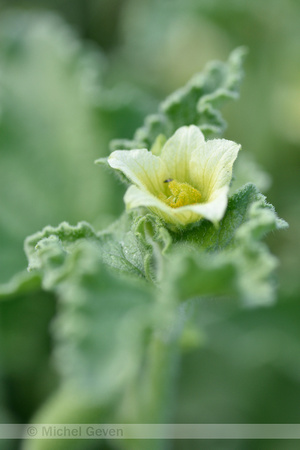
{"points": [[150, 398]]}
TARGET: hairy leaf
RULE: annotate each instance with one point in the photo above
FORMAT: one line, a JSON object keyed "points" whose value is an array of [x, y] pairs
{"points": [[248, 216], [196, 103], [245, 274], [102, 321], [135, 244], [21, 283], [232, 261]]}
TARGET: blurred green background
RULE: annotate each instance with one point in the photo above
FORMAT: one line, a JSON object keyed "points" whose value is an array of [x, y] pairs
{"points": [[67, 90]]}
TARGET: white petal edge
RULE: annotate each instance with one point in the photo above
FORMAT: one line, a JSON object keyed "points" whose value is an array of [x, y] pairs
{"points": [[141, 167], [212, 211]]}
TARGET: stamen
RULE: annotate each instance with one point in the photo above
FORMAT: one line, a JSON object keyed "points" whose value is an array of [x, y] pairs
{"points": [[182, 194]]}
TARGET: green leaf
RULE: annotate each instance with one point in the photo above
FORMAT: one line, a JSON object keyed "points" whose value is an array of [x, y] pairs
{"points": [[66, 234], [21, 283], [50, 248], [109, 332], [103, 320], [245, 274], [230, 260], [121, 250], [135, 244], [248, 217], [261, 219], [196, 103]]}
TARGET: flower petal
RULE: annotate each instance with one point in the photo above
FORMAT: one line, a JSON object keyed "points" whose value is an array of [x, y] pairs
{"points": [[142, 168], [178, 150], [213, 211], [211, 166]]}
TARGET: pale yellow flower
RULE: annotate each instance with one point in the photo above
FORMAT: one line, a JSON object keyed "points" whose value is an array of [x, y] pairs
{"points": [[187, 181]]}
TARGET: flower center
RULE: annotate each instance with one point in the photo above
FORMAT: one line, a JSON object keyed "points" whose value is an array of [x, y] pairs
{"points": [[182, 194]]}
